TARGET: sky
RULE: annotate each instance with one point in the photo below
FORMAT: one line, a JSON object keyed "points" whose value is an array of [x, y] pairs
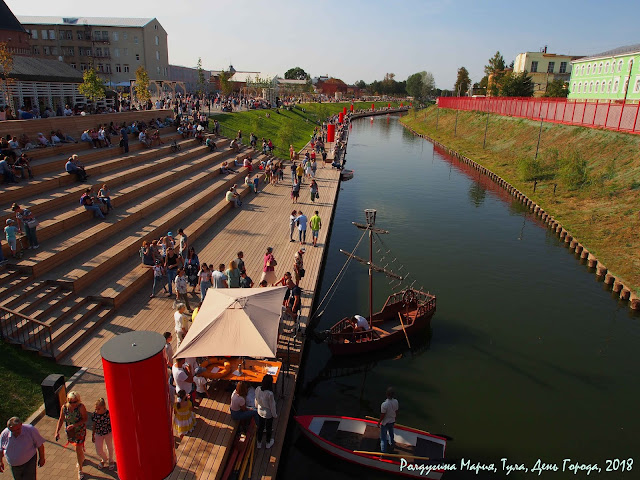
{"points": [[365, 39]]}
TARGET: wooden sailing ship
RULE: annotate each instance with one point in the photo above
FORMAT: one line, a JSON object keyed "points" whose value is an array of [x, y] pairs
{"points": [[404, 314]]}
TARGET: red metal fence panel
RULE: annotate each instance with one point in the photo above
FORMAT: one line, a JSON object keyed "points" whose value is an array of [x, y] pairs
{"points": [[600, 114]]}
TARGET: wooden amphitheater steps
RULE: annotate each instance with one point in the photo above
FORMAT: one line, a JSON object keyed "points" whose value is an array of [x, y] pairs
{"points": [[53, 225], [125, 276]]}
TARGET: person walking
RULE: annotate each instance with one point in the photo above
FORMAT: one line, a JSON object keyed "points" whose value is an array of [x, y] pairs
{"points": [[313, 190], [269, 266], [301, 220], [181, 283], [388, 411], [316, 224], [298, 265], [124, 142], [266, 405], [292, 224], [181, 320], [102, 435], [74, 415], [19, 444], [218, 278], [204, 280], [233, 275]]}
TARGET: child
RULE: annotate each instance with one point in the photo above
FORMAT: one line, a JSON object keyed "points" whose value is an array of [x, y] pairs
{"points": [[184, 420], [201, 383], [102, 434], [256, 182], [158, 275], [11, 232]]}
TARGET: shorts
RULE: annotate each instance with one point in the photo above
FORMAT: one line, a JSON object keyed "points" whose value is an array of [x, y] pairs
{"points": [[12, 243], [314, 233]]}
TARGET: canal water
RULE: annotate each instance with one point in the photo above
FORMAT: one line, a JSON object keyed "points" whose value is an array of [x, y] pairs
{"points": [[529, 357]]}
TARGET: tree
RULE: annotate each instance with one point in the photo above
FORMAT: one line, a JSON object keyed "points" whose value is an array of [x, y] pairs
{"points": [[516, 85], [286, 136], [428, 85], [201, 79], [226, 85], [361, 84], [142, 85], [6, 63], [414, 86], [496, 64], [462, 82], [296, 73], [557, 89], [92, 86]]}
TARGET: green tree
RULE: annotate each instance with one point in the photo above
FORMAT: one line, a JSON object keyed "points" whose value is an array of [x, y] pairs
{"points": [[201, 79], [226, 85], [428, 85], [557, 89], [516, 85], [463, 81], [414, 86], [496, 64], [92, 86], [6, 63], [296, 73], [142, 85], [286, 136], [361, 84]]}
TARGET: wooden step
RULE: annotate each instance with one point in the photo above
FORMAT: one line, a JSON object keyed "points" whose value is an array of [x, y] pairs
{"points": [[18, 296], [81, 330]]}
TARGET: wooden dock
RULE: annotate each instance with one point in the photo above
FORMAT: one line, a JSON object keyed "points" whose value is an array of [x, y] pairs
{"points": [[262, 221]]}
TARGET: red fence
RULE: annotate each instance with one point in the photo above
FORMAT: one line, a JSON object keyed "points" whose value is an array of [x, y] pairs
{"points": [[601, 114]]}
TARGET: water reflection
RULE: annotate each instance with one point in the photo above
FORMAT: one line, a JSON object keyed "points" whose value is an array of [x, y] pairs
{"points": [[477, 194]]}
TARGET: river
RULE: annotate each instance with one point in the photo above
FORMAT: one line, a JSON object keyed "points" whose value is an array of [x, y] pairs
{"points": [[529, 356]]}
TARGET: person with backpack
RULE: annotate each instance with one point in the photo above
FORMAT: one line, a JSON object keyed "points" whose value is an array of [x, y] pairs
{"points": [[86, 200]]}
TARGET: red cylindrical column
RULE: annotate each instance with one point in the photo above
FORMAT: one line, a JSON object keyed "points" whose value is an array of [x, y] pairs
{"points": [[351, 107], [401, 104], [331, 132], [344, 110], [340, 117], [388, 105], [135, 375], [373, 106]]}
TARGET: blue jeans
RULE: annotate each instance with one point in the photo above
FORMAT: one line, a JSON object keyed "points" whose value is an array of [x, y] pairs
{"points": [[95, 209], [157, 281], [172, 273], [386, 437], [204, 286], [31, 235], [241, 415], [302, 235]]}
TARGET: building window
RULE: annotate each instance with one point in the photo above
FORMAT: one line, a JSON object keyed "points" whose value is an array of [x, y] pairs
{"points": [[600, 68], [52, 34], [54, 50], [157, 55], [106, 52], [620, 65], [579, 87], [107, 68], [157, 40], [126, 52], [36, 50], [45, 35], [115, 36], [534, 67], [550, 67], [98, 51], [116, 52], [158, 70], [135, 39], [165, 72], [563, 67], [73, 65], [616, 84], [589, 69], [34, 34], [126, 68], [597, 86], [573, 87], [582, 71], [100, 68], [155, 27], [79, 34], [83, 66], [71, 51], [636, 86], [118, 68], [46, 51], [606, 67], [105, 35], [591, 87], [609, 86], [137, 57], [602, 86]]}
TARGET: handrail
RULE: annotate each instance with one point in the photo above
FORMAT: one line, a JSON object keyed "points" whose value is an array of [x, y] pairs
{"points": [[31, 338]]}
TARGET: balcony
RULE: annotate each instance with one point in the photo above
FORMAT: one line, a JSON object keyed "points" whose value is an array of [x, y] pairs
{"points": [[101, 41]]}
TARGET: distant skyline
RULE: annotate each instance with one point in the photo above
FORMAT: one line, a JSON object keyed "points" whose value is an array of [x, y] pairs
{"points": [[364, 39]]}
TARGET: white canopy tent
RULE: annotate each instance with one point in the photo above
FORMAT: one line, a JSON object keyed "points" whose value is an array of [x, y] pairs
{"points": [[237, 322]]}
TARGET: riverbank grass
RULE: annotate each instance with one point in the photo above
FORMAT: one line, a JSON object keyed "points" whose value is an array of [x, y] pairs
{"points": [[588, 179], [21, 374]]}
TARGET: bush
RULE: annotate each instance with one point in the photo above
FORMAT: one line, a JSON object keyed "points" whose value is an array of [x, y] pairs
{"points": [[574, 172], [528, 168]]}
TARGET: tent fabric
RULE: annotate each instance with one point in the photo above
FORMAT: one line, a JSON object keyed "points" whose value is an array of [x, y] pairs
{"points": [[238, 322]]}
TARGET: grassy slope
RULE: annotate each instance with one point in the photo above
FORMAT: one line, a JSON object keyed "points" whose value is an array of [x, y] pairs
{"points": [[302, 122], [603, 216], [21, 374]]}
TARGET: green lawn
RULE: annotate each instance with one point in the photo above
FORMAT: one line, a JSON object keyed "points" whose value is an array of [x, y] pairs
{"points": [[21, 373], [289, 127]]}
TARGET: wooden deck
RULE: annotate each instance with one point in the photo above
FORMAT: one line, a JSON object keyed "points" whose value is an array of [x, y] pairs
{"points": [[262, 221]]}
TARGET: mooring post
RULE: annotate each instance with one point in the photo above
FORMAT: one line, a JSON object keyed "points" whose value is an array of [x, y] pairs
{"points": [[486, 125], [437, 117], [535, 184], [539, 135], [455, 129]]}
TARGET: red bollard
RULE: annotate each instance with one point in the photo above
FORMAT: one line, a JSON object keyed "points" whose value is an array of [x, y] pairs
{"points": [[135, 375], [331, 133], [344, 110], [351, 107], [340, 117], [388, 105], [373, 106], [400, 104]]}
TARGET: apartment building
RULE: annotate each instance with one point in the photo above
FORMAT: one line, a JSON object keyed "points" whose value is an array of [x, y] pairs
{"points": [[116, 47], [544, 68]]}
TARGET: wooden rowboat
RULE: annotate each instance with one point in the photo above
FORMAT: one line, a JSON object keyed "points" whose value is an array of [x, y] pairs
{"points": [[417, 453]]}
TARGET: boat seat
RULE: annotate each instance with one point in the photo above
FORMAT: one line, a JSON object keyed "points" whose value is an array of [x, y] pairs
{"points": [[380, 331], [352, 426]]}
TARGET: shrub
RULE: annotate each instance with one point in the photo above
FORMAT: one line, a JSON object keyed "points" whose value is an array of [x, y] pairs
{"points": [[574, 172], [528, 168]]}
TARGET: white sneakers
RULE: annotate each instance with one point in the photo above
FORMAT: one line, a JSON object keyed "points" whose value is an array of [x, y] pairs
{"points": [[270, 444]]}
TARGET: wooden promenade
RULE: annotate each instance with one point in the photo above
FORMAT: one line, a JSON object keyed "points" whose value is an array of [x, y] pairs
{"points": [[262, 221]]}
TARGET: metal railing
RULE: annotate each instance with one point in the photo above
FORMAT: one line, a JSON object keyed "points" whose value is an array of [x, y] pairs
{"points": [[26, 331], [611, 115]]}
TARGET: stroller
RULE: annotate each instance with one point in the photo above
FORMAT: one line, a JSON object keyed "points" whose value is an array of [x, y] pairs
{"points": [[174, 147]]}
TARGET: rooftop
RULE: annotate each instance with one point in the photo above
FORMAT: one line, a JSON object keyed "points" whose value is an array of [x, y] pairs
{"points": [[635, 48], [40, 69], [81, 21], [8, 21]]}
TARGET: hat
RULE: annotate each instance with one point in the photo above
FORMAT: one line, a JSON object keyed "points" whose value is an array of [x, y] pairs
{"points": [[200, 370], [157, 262], [9, 221], [169, 234], [269, 249], [303, 250], [26, 212]]}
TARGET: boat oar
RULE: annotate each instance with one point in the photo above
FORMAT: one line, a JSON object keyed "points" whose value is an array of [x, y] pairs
{"points": [[403, 329], [394, 455], [446, 437]]}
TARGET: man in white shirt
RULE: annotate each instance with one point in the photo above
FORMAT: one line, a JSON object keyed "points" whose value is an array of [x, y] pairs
{"points": [[360, 323], [67, 111], [19, 444], [182, 377], [388, 411], [181, 322]]}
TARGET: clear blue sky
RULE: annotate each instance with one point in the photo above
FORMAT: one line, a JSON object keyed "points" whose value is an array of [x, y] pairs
{"points": [[364, 39]]}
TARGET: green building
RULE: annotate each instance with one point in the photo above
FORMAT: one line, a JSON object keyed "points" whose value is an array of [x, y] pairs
{"points": [[612, 75]]}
